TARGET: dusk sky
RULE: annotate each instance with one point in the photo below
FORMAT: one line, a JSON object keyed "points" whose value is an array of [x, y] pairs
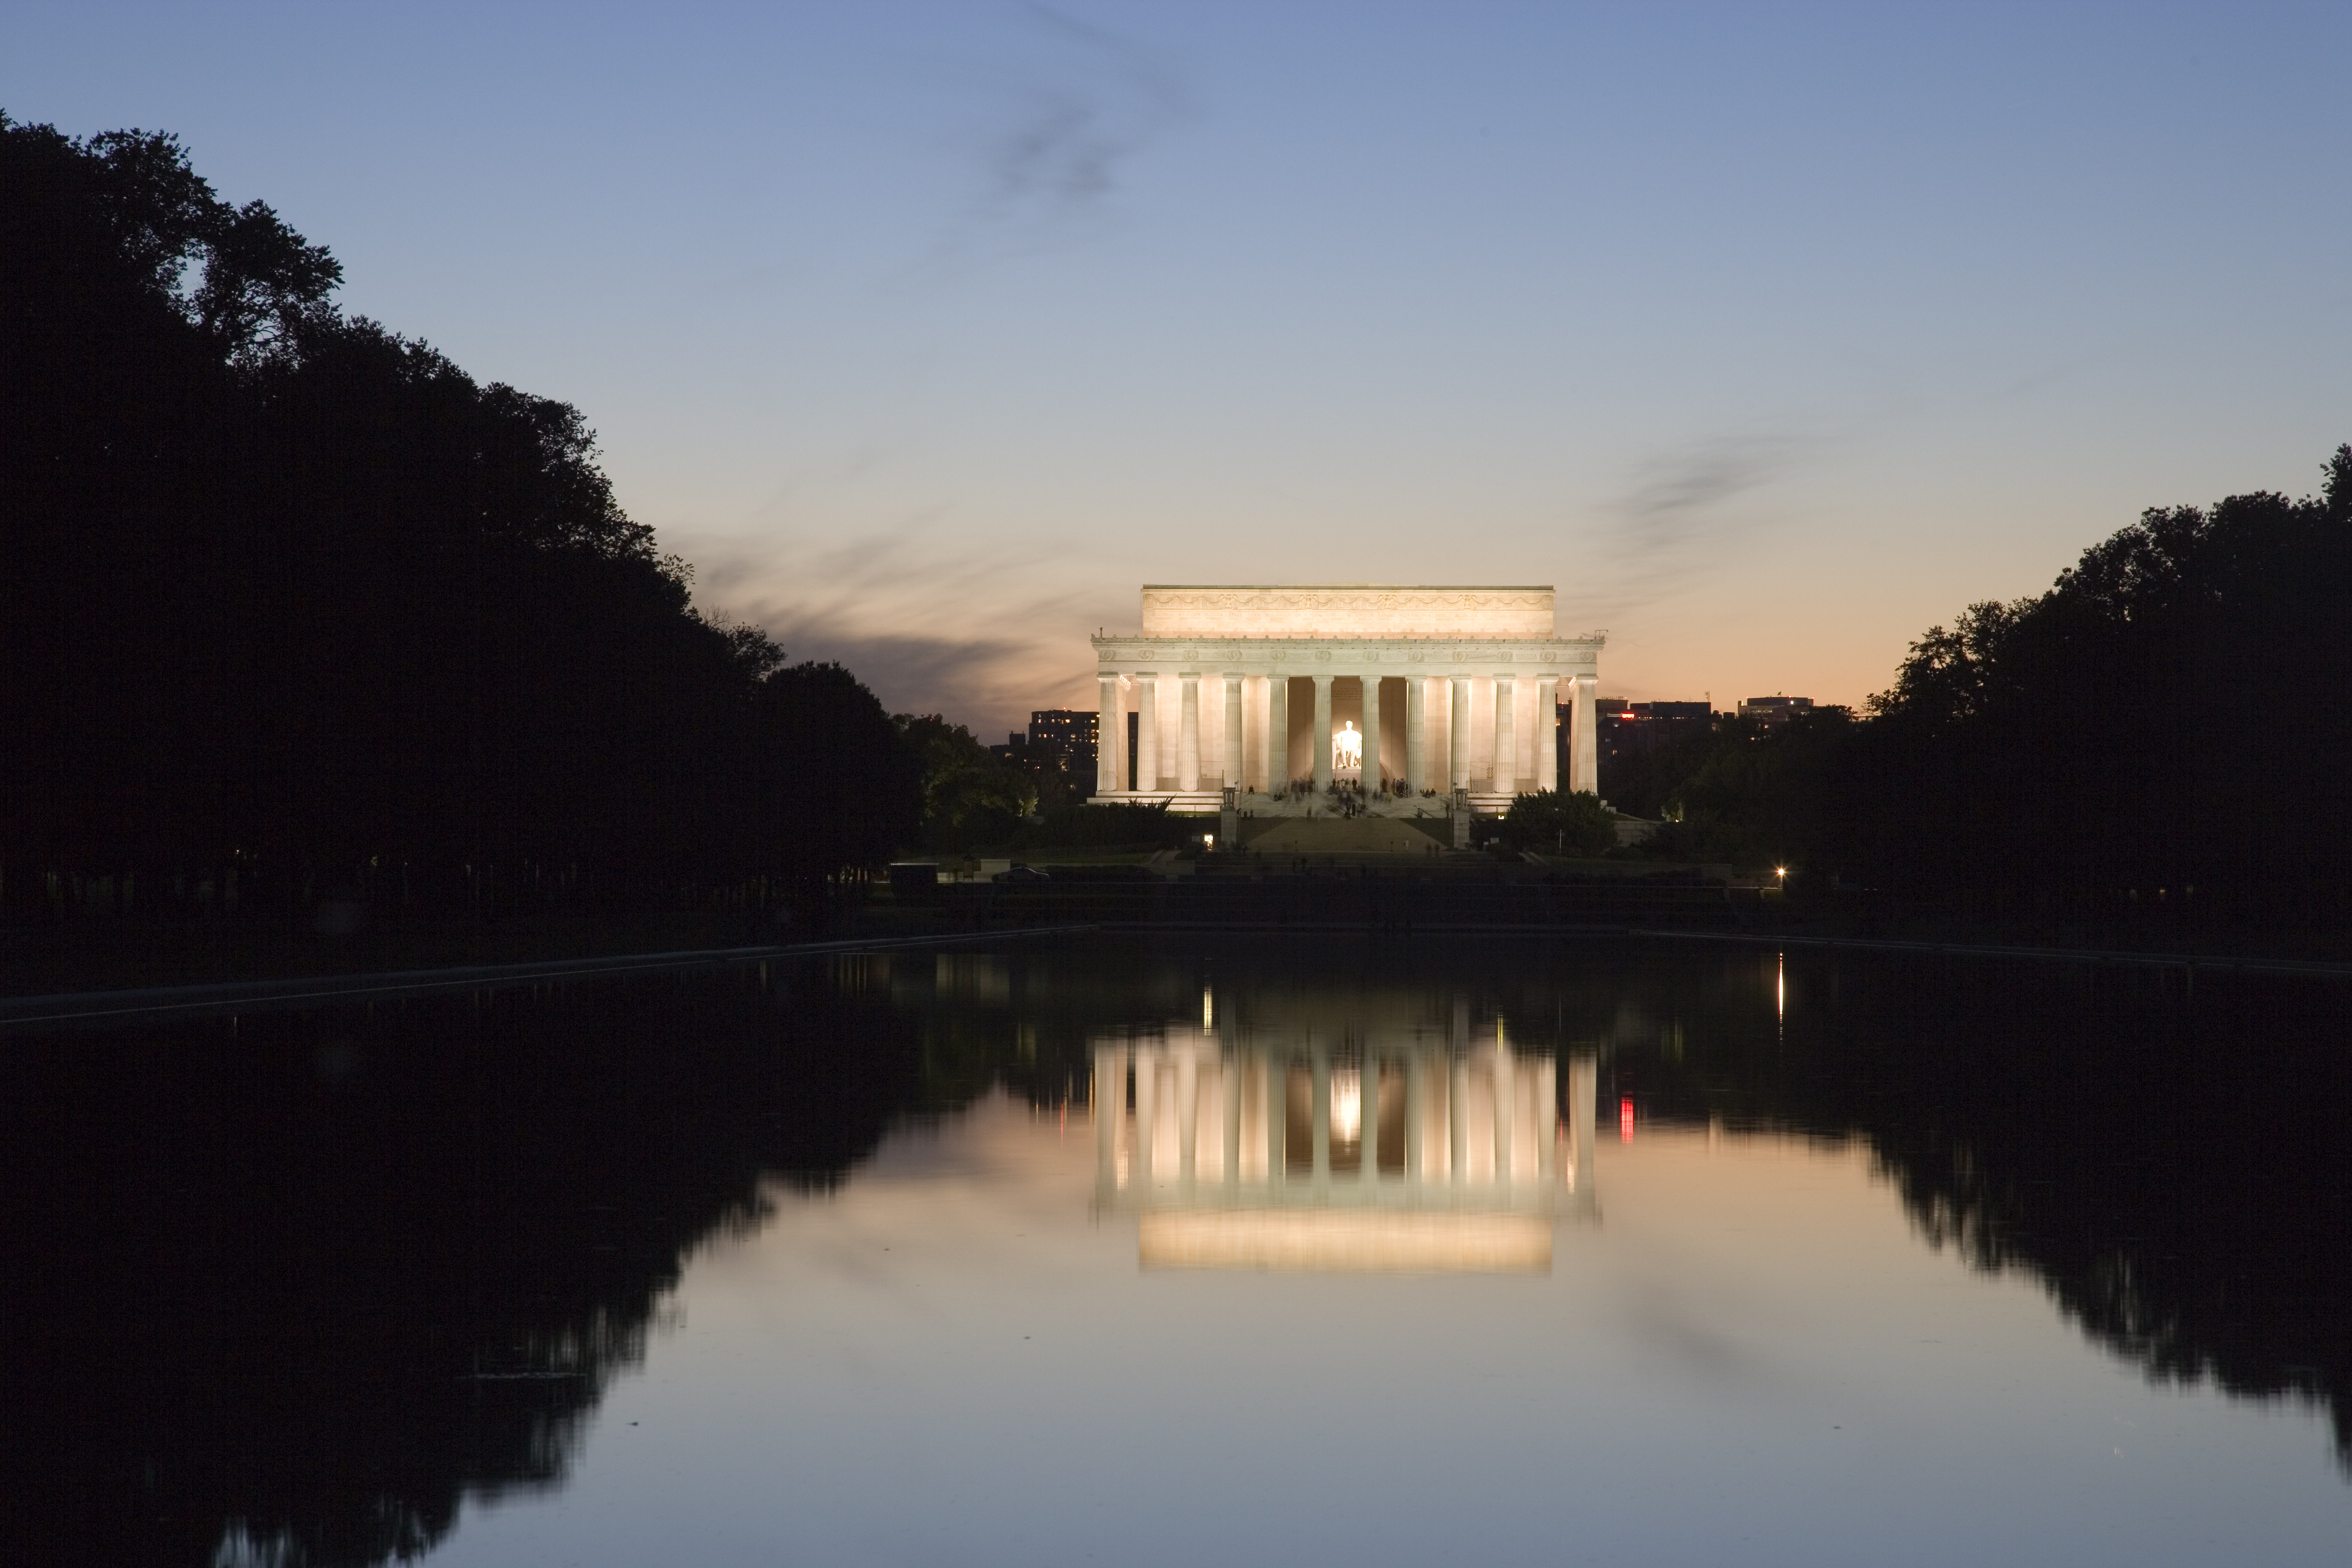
{"points": [[927, 332]]}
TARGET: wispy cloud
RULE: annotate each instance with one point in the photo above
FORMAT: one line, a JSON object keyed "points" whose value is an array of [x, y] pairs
{"points": [[982, 636], [1680, 511], [1064, 150], [1066, 124]]}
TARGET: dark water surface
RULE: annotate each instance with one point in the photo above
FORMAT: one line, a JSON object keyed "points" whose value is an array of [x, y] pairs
{"points": [[1410, 1253]]}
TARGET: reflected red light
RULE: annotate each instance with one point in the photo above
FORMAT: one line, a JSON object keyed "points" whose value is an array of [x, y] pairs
{"points": [[1624, 1121]]}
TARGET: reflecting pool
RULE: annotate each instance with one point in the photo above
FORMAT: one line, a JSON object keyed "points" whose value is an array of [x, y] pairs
{"points": [[1178, 1249]]}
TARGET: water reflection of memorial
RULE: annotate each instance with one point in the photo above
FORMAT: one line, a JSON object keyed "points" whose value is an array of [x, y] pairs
{"points": [[1281, 1147]]}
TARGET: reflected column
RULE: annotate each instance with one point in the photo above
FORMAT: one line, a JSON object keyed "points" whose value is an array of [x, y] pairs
{"points": [[1277, 1117], [1546, 1128], [1229, 1081], [1416, 1105], [1147, 1115], [1506, 1091], [1457, 1118], [1188, 1115], [1583, 1087], [1111, 1105], [1318, 1108]]}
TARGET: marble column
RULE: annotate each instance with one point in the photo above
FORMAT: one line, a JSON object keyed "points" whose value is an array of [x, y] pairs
{"points": [[1232, 776], [1507, 747], [1584, 762], [1277, 733], [1147, 730], [1322, 742], [1460, 733], [1188, 730], [1110, 735], [1546, 735], [1371, 728], [1416, 732]]}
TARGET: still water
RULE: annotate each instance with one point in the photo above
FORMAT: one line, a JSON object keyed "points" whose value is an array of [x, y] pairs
{"points": [[1146, 1252]]}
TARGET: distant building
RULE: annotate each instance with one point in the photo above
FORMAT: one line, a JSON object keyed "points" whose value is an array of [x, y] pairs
{"points": [[1625, 730], [1068, 734], [1767, 712]]}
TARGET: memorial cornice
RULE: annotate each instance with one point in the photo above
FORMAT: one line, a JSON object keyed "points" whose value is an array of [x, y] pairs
{"points": [[1484, 657]]}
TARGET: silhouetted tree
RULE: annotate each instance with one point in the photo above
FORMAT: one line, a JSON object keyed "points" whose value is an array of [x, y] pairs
{"points": [[289, 600]]}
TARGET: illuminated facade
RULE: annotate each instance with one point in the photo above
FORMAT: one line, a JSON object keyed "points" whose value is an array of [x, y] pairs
{"points": [[1450, 689]]}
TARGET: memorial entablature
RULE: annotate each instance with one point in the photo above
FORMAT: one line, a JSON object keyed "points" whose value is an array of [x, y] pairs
{"points": [[1404, 691]]}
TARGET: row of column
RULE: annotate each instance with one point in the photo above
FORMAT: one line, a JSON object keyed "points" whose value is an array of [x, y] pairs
{"points": [[1493, 1142], [1502, 763]]}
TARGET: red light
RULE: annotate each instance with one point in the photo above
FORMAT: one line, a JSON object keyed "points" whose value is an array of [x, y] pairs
{"points": [[1624, 1121]]}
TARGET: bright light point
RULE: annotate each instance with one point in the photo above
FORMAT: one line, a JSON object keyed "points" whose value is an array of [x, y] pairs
{"points": [[1346, 1104]]}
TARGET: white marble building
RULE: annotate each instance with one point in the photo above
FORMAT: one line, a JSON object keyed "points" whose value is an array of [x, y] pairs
{"points": [[1245, 686]]}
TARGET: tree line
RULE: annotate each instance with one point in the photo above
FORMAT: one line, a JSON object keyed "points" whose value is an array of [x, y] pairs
{"points": [[2153, 735], [292, 606]]}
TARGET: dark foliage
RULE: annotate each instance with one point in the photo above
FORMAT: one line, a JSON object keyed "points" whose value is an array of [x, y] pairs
{"points": [[2161, 1158], [971, 795], [2154, 730], [2151, 737], [292, 603], [1554, 823]]}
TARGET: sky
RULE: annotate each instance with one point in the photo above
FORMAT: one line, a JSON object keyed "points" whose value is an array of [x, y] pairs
{"points": [[928, 332]]}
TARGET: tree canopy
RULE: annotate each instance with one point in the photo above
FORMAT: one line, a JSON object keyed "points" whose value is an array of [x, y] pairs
{"points": [[2155, 732], [290, 596]]}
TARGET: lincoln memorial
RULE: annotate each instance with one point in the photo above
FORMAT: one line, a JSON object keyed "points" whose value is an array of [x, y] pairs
{"points": [[1405, 692]]}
